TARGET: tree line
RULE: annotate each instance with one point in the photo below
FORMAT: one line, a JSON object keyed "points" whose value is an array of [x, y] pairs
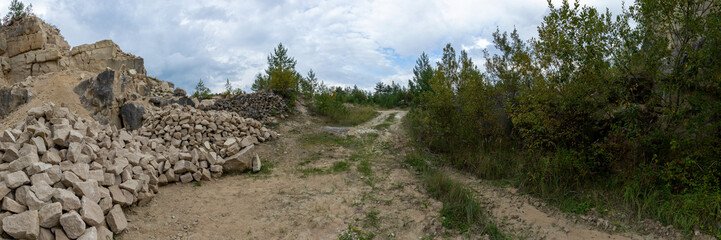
{"points": [[628, 105]]}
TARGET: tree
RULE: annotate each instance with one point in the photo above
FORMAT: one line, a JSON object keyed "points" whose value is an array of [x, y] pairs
{"points": [[309, 84], [17, 11], [228, 87], [261, 83], [201, 91], [422, 74]]}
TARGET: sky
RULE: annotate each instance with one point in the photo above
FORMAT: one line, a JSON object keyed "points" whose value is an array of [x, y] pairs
{"points": [[346, 43]]}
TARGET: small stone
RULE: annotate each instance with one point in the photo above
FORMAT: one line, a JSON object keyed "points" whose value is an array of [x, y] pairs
{"points": [[16, 179], [91, 212], [256, 163], [43, 191], [88, 188], [11, 205], [116, 219], [23, 226], [104, 233], [89, 234], [72, 224], [186, 178], [131, 185], [67, 199], [50, 215], [51, 157]]}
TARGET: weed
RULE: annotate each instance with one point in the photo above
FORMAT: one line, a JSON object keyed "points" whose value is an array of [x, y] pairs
{"points": [[310, 171], [267, 168], [381, 126], [354, 233], [372, 219], [391, 118], [197, 184], [340, 166], [364, 167]]}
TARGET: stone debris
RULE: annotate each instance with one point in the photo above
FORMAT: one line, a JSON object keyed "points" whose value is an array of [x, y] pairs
{"points": [[66, 177], [258, 105]]}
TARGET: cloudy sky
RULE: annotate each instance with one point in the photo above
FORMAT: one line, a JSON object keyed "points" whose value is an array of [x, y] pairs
{"points": [[345, 42]]}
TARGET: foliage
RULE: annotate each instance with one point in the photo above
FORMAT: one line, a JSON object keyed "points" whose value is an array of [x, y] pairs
{"points": [[228, 88], [309, 85], [201, 91], [17, 10], [281, 76], [631, 109]]}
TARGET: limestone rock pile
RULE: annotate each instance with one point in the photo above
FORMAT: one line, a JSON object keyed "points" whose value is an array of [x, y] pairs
{"points": [[257, 105], [64, 176], [183, 127]]}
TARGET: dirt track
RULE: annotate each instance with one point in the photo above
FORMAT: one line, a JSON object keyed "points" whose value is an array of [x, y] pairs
{"points": [[304, 198]]}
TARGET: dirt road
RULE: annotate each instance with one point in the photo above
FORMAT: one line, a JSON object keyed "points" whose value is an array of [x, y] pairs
{"points": [[342, 183], [320, 186]]}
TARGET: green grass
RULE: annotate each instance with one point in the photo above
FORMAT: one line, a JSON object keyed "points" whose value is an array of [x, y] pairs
{"points": [[354, 115], [354, 233], [372, 219], [391, 118], [330, 139], [364, 167], [340, 166], [382, 126], [461, 211]]}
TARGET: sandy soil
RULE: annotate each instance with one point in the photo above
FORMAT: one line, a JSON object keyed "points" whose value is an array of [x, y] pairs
{"points": [[53, 87], [290, 204]]}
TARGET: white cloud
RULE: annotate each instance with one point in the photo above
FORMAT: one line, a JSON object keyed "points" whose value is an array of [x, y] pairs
{"points": [[345, 42]]}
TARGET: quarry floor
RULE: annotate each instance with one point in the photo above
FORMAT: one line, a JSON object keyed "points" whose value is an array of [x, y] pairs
{"points": [[320, 184]]}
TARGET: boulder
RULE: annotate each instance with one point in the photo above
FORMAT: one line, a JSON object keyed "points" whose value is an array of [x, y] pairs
{"points": [[132, 115], [239, 162]]}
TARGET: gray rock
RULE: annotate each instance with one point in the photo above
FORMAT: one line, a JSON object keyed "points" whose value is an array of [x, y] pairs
{"points": [[90, 234], [239, 162], [72, 224], [256, 163], [116, 219], [11, 205], [23, 226], [91, 212], [50, 215], [67, 199], [132, 115], [16, 179]]}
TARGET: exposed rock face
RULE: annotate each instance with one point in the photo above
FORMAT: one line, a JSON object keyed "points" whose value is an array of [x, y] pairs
{"points": [[132, 115], [104, 94], [257, 105], [104, 54], [12, 98], [31, 47]]}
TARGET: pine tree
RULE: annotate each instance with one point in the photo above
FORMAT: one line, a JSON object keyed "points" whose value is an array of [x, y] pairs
{"points": [[201, 91], [17, 11], [228, 87]]}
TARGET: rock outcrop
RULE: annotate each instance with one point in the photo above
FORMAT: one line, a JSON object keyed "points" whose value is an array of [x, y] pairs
{"points": [[11, 98], [31, 47]]}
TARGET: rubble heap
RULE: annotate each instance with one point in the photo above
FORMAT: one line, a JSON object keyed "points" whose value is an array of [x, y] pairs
{"points": [[183, 127], [257, 105], [67, 177]]}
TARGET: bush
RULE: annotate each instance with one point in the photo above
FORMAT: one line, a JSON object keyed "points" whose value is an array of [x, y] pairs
{"points": [[201, 91]]}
